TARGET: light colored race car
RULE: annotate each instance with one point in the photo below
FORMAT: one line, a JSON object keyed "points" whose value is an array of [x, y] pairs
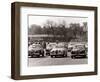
{"points": [[35, 50], [59, 50], [78, 51]]}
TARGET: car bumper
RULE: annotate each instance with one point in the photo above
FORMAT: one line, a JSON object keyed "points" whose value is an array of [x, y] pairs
{"points": [[79, 56], [33, 54], [57, 54]]}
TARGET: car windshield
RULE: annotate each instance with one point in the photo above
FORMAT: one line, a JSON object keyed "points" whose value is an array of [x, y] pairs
{"points": [[36, 46], [71, 44], [50, 45], [60, 46], [79, 47]]}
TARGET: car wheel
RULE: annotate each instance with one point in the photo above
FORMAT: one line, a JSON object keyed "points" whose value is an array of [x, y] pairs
{"points": [[52, 56], [31, 56], [42, 55], [48, 54], [85, 56], [72, 57]]}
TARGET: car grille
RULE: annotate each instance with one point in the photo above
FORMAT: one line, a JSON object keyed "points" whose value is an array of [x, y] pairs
{"points": [[37, 51], [57, 52]]}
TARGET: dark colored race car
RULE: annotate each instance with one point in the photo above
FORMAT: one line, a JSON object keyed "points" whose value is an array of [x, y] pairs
{"points": [[79, 51], [35, 50]]}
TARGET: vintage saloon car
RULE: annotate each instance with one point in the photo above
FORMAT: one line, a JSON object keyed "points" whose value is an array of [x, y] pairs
{"points": [[59, 50], [35, 50], [78, 51]]}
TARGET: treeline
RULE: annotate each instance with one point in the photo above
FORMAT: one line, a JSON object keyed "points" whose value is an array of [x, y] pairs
{"points": [[68, 32]]}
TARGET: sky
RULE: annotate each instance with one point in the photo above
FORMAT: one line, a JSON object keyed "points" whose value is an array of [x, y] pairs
{"points": [[41, 19]]}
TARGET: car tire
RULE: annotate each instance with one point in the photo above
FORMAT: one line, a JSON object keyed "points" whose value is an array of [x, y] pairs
{"points": [[42, 55], [52, 56], [72, 57], [31, 56]]}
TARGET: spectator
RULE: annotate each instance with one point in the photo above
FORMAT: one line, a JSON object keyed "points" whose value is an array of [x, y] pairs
{"points": [[44, 44], [44, 47], [57, 41]]}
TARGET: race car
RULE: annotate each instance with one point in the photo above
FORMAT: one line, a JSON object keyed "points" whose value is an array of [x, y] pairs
{"points": [[35, 50], [59, 50], [78, 51]]}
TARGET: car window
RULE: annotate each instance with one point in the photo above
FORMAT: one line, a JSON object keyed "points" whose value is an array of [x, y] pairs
{"points": [[51, 45], [60, 46], [79, 47], [36, 46]]}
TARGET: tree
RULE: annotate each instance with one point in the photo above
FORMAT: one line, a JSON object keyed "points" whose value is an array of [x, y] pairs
{"points": [[75, 28], [85, 32], [35, 29], [85, 26]]}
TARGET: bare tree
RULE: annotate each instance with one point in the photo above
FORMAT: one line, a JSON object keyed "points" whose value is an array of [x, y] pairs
{"points": [[34, 29], [75, 28]]}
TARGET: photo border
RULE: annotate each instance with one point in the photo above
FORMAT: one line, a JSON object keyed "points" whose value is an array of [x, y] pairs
{"points": [[15, 40]]}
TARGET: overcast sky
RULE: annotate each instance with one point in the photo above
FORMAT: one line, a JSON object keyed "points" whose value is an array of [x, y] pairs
{"points": [[40, 20]]}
